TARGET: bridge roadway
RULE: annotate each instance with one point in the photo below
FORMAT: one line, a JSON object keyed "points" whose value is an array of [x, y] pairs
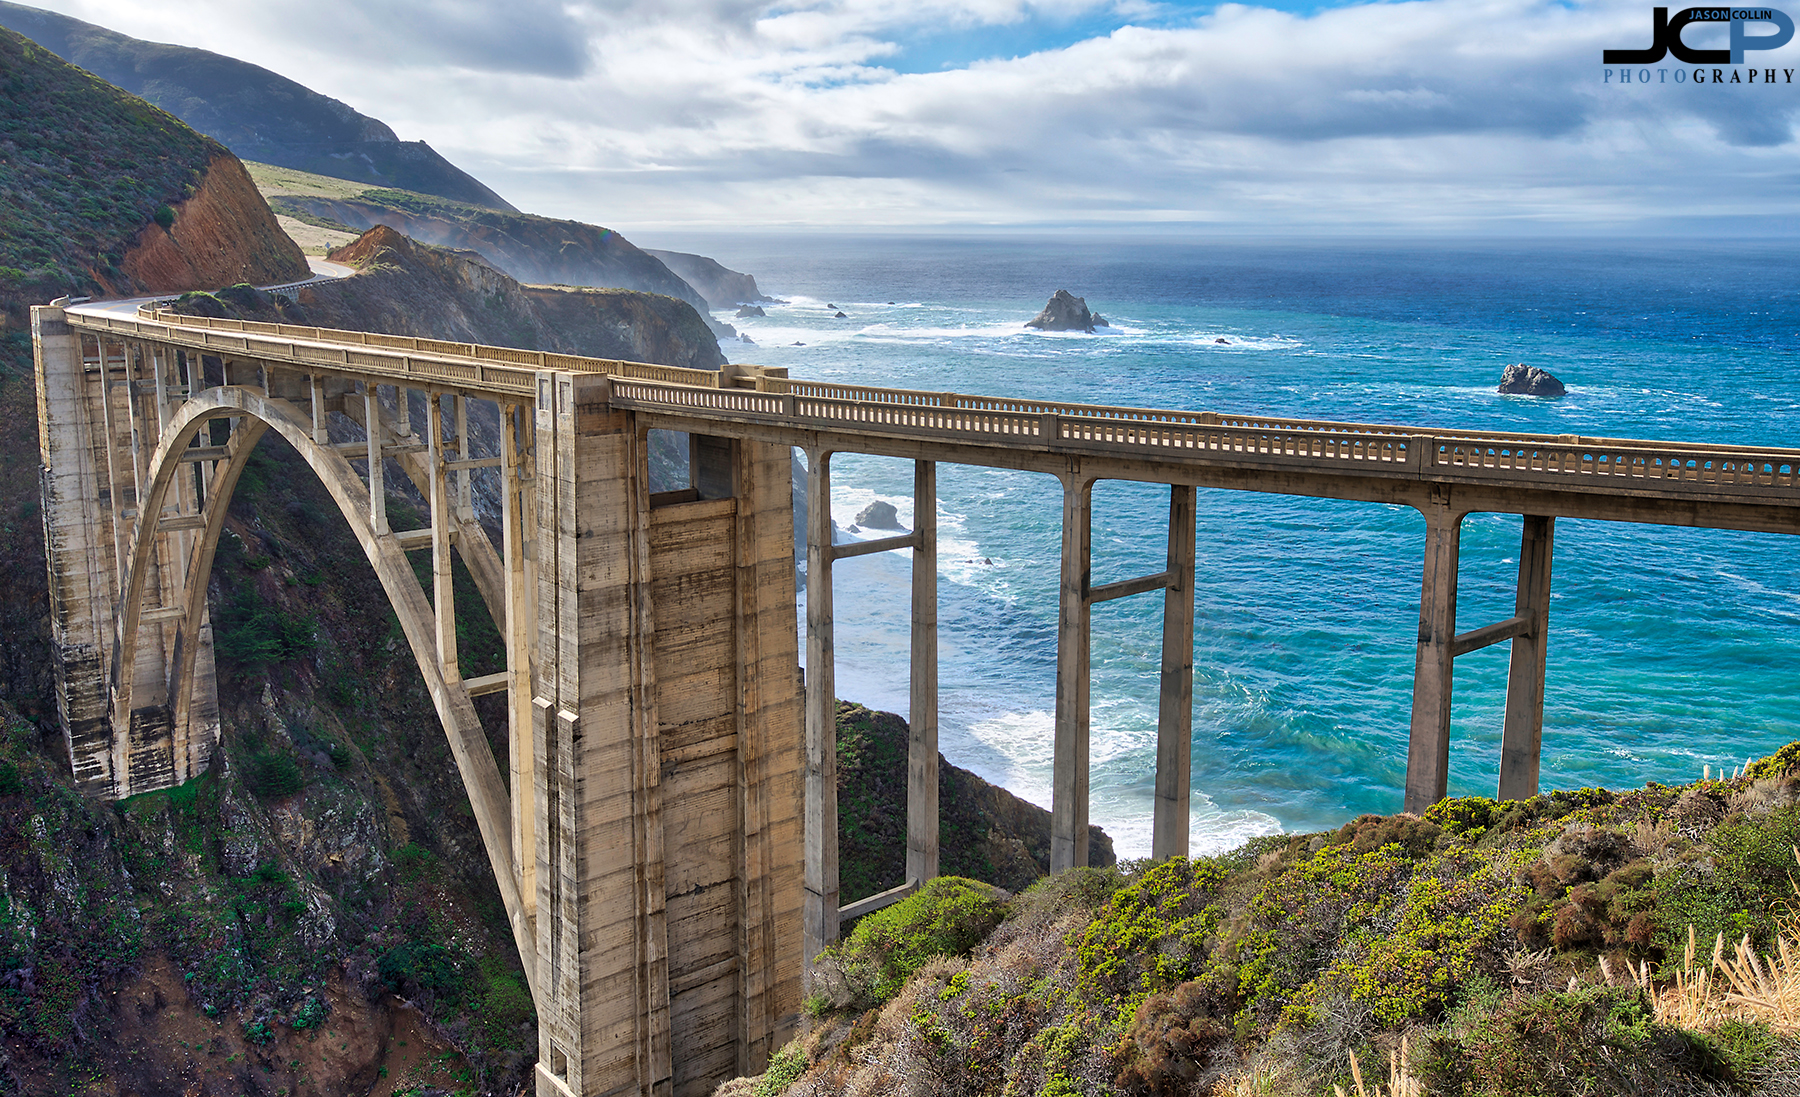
{"points": [[740, 421]]}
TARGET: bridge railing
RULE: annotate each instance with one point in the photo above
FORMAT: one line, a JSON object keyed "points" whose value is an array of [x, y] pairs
{"points": [[1382, 449], [1742, 470], [503, 369], [1487, 456]]}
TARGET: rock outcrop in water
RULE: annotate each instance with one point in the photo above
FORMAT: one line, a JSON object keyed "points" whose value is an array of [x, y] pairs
{"points": [[1066, 312], [879, 515], [1523, 380]]}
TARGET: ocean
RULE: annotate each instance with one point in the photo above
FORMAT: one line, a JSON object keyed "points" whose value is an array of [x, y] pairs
{"points": [[1669, 649]]}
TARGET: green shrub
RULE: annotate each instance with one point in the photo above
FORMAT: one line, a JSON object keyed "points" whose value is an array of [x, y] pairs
{"points": [[949, 916], [1152, 934], [165, 217], [1735, 882], [312, 1013], [422, 969], [273, 775], [1051, 898], [785, 1068], [1452, 921], [1775, 764], [1591, 1040], [249, 632]]}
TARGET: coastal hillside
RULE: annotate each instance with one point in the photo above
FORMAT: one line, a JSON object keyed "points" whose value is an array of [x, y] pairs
{"points": [[984, 831], [406, 288], [722, 287], [1586, 942], [107, 194], [532, 249], [256, 113]]}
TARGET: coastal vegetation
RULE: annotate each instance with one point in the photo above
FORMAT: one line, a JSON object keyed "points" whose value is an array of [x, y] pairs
{"points": [[1579, 942], [258, 114], [84, 168]]}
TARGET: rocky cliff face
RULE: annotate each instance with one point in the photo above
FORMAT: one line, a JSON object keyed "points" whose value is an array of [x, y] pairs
{"points": [[221, 235], [628, 325], [532, 249], [722, 287], [405, 288]]}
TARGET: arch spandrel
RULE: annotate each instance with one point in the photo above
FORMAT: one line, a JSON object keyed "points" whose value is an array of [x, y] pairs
{"points": [[480, 773]]}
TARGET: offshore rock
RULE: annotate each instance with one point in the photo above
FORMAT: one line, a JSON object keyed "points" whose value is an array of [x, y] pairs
{"points": [[745, 311], [1065, 312], [1522, 380], [879, 515]]}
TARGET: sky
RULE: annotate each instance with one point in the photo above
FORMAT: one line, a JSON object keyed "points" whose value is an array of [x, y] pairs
{"points": [[1431, 117]]}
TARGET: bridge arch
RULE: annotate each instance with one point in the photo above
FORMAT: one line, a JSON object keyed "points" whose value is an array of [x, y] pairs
{"points": [[450, 696]]}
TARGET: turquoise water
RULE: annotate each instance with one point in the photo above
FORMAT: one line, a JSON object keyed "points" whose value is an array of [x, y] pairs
{"points": [[1669, 648]]}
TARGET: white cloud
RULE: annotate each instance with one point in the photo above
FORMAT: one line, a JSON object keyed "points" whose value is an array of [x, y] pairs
{"points": [[1455, 114]]}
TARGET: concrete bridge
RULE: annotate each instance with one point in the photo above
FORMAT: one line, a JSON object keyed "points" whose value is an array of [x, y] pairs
{"points": [[663, 828]]}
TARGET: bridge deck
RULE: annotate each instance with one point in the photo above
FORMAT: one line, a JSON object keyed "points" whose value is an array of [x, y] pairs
{"points": [[1141, 443]]}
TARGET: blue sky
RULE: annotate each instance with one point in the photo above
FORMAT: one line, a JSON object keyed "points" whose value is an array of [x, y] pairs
{"points": [[1415, 117], [937, 46]]}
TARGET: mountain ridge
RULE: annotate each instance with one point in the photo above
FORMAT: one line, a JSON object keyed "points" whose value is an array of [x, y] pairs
{"points": [[257, 113]]}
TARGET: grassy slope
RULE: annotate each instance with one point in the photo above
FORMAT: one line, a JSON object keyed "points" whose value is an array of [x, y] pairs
{"points": [[257, 113], [1476, 932], [84, 166]]}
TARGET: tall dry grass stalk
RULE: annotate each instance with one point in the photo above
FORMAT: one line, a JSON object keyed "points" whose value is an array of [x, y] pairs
{"points": [[1400, 1082], [1743, 984]]}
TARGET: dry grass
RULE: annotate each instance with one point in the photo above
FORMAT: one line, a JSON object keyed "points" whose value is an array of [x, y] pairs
{"points": [[1741, 984], [1400, 1081]]}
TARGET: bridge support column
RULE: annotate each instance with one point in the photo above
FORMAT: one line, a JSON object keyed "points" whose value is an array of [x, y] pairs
{"points": [[1069, 791], [922, 744], [79, 544], [1521, 741], [603, 988], [821, 914], [1175, 716], [1428, 752], [666, 760]]}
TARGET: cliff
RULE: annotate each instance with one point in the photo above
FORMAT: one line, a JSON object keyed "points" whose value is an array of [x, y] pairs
{"points": [[104, 193], [721, 286], [256, 113], [407, 288], [221, 235], [530, 248]]}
